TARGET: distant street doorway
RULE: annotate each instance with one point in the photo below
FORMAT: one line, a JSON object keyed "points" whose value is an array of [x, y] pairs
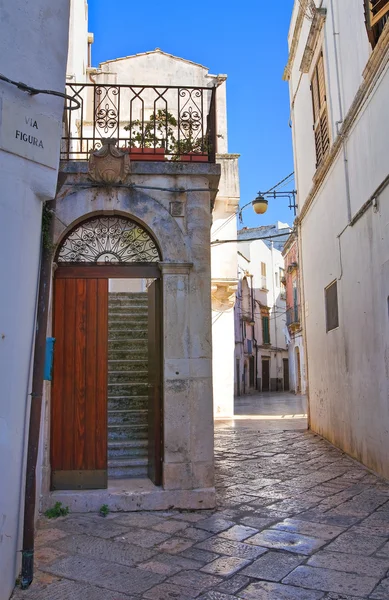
{"points": [[265, 375]]}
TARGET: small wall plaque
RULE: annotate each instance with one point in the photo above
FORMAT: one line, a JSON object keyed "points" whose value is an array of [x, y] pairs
{"points": [[177, 209]]}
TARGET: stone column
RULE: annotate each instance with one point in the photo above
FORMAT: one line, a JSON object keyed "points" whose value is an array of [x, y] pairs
{"points": [[187, 386]]}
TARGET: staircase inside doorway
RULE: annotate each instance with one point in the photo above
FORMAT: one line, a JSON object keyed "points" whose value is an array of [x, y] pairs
{"points": [[127, 385]]}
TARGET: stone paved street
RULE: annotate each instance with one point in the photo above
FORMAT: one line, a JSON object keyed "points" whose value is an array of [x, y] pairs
{"points": [[296, 520]]}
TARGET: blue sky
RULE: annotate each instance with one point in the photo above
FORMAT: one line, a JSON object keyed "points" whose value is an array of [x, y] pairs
{"points": [[248, 42]]}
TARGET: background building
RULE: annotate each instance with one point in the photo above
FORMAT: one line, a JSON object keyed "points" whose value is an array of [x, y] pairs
{"points": [[297, 374], [33, 49], [261, 357], [338, 73]]}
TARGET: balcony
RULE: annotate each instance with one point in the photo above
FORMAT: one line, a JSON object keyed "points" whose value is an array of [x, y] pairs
{"points": [[293, 317], [151, 122]]}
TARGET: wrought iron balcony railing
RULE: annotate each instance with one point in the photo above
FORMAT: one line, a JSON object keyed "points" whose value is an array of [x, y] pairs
{"points": [[293, 316], [151, 122]]}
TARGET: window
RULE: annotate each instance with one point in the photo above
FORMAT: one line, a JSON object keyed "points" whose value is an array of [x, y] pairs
{"points": [[282, 284], [263, 276], [331, 302], [265, 330], [276, 278], [377, 14], [320, 117]]}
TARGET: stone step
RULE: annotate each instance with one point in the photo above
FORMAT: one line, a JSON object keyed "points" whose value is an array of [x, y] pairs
{"points": [[135, 349], [127, 323], [121, 432], [128, 448], [127, 315], [128, 402], [127, 335], [128, 472], [127, 377], [127, 417], [130, 306], [118, 295], [128, 389], [129, 366]]}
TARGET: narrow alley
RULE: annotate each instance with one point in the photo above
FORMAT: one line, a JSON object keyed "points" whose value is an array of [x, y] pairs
{"points": [[296, 520]]}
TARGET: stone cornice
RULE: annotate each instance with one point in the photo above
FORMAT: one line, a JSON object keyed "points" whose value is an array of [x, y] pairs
{"points": [[175, 268], [313, 37], [377, 62], [295, 40]]}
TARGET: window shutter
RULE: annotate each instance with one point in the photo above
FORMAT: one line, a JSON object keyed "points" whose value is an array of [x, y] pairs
{"points": [[376, 16], [320, 117]]}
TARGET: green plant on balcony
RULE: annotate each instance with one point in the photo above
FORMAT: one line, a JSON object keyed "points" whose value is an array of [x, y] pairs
{"points": [[158, 132]]}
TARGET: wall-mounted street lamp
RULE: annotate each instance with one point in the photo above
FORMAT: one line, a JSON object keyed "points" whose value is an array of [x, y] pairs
{"points": [[261, 202]]}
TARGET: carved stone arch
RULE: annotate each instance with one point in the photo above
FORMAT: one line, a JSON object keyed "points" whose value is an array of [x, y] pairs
{"points": [[106, 239], [77, 205]]}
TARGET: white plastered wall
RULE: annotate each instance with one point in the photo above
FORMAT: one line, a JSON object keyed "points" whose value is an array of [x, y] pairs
{"points": [[33, 47]]}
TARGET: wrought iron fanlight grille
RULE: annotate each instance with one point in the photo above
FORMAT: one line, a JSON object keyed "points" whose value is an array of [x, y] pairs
{"points": [[107, 240]]}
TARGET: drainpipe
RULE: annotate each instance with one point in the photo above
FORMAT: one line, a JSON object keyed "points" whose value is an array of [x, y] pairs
{"points": [[338, 69], [35, 414]]}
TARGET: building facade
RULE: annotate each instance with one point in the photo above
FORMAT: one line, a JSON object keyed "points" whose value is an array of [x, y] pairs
{"points": [[33, 49], [144, 172], [338, 73], [261, 355], [297, 375]]}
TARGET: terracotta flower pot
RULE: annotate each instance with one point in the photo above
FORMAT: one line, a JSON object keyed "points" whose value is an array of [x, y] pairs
{"points": [[147, 153], [194, 157]]}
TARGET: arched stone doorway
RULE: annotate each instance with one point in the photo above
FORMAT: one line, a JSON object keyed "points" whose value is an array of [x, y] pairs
{"points": [[106, 409]]}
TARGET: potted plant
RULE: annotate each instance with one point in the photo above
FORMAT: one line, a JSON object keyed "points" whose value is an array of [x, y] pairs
{"points": [[192, 149], [150, 140]]}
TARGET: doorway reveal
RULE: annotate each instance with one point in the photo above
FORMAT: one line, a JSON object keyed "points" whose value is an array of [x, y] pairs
{"points": [[106, 417]]}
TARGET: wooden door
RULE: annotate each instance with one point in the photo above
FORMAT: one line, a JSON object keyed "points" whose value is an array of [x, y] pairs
{"points": [[265, 375], [286, 374], [79, 389], [155, 382], [298, 371]]}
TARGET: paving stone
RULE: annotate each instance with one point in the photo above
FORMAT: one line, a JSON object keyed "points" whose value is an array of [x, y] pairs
{"points": [[194, 580], [170, 526], [378, 523], [273, 566], [350, 563], [233, 584], [44, 537], [134, 519], [118, 578], [215, 524], [381, 592], [195, 534], [329, 580], [168, 564], [238, 533], [98, 528], [263, 590], [113, 551], [191, 517], [66, 590], [238, 549], [354, 543], [169, 591], [318, 530], [333, 596], [146, 538], [258, 522], [283, 540], [383, 551], [201, 555], [225, 566], [175, 545], [216, 596], [45, 556]]}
